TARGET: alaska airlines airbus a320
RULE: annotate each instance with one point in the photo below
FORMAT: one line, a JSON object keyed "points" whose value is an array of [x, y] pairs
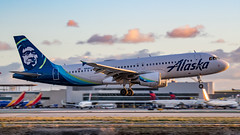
{"points": [[149, 71]]}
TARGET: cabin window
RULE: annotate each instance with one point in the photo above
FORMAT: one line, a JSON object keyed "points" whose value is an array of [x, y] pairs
{"points": [[163, 63], [121, 66], [156, 63], [124, 66], [137, 65], [133, 65], [146, 64], [150, 64], [130, 66], [142, 65], [72, 71], [81, 70]]}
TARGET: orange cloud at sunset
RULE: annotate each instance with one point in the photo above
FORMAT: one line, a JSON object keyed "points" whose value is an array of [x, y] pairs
{"points": [[4, 46], [185, 32], [72, 23], [219, 41], [134, 36]]}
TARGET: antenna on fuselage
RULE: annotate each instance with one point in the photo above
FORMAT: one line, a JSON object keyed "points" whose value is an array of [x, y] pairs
{"points": [[194, 51]]}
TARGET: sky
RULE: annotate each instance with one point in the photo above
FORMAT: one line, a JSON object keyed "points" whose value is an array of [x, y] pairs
{"points": [[70, 31]]}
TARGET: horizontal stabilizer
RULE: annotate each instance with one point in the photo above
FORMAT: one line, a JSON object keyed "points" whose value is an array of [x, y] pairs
{"points": [[26, 73]]}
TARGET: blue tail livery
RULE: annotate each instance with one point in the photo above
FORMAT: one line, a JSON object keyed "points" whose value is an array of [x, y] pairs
{"points": [[149, 71]]}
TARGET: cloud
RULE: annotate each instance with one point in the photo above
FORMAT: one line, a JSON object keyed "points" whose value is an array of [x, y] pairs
{"points": [[134, 36], [185, 32], [219, 41], [72, 23], [6, 76], [55, 42], [4, 46], [105, 39]]}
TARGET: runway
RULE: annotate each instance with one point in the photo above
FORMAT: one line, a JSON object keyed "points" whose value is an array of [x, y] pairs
{"points": [[116, 113]]}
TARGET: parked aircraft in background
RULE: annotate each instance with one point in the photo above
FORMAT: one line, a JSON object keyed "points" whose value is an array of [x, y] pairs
{"points": [[172, 103], [219, 103], [14, 102], [149, 71], [32, 102], [89, 104]]}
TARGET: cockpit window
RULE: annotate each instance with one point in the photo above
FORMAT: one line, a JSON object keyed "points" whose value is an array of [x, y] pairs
{"points": [[213, 58]]}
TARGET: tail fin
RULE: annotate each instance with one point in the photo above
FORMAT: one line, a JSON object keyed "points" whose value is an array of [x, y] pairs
{"points": [[153, 96], [18, 100], [31, 57], [34, 101], [90, 96], [205, 95]]}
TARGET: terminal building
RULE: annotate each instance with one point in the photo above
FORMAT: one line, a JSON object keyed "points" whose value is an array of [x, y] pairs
{"points": [[182, 90]]}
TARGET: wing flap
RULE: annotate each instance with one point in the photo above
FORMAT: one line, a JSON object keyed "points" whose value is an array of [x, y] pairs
{"points": [[118, 74]]}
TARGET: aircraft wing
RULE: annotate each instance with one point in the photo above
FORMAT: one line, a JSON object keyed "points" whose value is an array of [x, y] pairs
{"points": [[118, 74], [26, 73]]}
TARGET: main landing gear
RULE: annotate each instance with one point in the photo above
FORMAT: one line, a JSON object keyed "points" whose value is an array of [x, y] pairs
{"points": [[127, 92], [200, 82]]}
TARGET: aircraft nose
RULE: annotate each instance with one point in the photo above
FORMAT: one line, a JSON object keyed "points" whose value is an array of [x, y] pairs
{"points": [[223, 65]]}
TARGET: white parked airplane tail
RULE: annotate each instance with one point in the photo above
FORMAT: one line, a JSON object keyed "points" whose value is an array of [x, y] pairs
{"points": [[205, 95]]}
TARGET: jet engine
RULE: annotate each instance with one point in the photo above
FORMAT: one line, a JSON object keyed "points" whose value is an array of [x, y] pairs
{"points": [[152, 80]]}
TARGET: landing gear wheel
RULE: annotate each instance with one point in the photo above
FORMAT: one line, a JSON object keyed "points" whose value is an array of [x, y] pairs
{"points": [[200, 86], [130, 92], [124, 92]]}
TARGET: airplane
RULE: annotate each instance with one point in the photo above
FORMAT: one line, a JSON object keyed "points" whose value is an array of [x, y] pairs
{"points": [[149, 71], [86, 104], [31, 103], [6, 103], [171, 103], [219, 103]]}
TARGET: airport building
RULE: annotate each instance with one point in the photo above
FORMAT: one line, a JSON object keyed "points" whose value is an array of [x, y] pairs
{"points": [[182, 90]]}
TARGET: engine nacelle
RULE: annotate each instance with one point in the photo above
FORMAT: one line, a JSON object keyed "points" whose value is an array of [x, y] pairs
{"points": [[152, 80]]}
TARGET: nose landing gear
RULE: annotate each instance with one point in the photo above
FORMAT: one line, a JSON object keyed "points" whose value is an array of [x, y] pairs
{"points": [[200, 82]]}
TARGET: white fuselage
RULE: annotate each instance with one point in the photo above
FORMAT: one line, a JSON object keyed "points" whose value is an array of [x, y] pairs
{"points": [[174, 103], [170, 66], [222, 103]]}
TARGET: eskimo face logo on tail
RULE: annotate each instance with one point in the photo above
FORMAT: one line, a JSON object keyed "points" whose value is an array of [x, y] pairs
{"points": [[184, 65], [29, 56]]}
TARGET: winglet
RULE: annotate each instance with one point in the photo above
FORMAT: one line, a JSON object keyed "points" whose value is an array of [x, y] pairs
{"points": [[83, 62]]}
